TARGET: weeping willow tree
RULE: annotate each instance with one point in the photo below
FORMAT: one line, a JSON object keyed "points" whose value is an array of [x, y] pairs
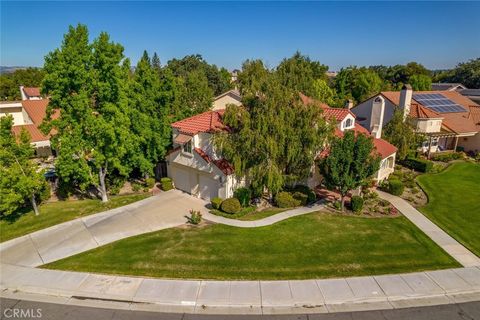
{"points": [[273, 138]]}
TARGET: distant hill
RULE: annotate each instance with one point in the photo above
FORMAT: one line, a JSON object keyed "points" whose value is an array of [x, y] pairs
{"points": [[5, 69]]}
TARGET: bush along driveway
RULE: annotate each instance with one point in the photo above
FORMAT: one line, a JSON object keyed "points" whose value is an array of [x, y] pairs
{"points": [[453, 202]]}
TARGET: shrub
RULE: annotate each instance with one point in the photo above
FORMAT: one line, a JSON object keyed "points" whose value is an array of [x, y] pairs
{"points": [[136, 186], [286, 200], [243, 195], [150, 182], [301, 197], [195, 217], [166, 184], [45, 192], [337, 205], [416, 164], [395, 187], [311, 196], [216, 202], [446, 157], [231, 205], [357, 203]]}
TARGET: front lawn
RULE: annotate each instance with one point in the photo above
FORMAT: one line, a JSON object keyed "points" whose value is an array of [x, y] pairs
{"points": [[317, 245], [248, 213], [57, 212], [454, 202]]}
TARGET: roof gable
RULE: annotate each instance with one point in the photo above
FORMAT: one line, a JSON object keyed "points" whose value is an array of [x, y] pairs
{"points": [[210, 121]]}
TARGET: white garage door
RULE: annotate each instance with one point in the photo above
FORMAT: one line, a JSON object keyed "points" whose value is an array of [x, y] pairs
{"points": [[208, 187], [181, 179]]}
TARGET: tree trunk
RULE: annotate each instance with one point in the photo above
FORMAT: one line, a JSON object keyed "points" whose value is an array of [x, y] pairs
{"points": [[342, 200], [34, 204], [102, 172]]}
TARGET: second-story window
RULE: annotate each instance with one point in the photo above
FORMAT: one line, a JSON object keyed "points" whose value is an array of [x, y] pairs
{"points": [[187, 147], [348, 123]]}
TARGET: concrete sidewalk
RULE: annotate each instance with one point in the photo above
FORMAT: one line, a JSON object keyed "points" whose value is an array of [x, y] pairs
{"points": [[265, 221], [464, 256], [242, 297], [165, 210]]}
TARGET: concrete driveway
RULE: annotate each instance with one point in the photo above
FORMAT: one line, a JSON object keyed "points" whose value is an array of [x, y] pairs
{"points": [[166, 210]]}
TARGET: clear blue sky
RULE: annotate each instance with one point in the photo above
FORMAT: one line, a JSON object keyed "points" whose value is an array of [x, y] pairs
{"points": [[437, 34]]}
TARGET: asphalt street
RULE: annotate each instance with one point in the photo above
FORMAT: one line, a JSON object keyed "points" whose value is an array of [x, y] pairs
{"points": [[22, 309]]}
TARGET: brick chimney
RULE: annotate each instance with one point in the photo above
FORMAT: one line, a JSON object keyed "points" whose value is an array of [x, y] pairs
{"points": [[376, 123], [406, 100]]}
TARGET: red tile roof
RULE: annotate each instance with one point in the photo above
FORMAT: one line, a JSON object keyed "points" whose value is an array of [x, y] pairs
{"points": [[209, 121], [35, 134], [221, 164], [383, 147], [332, 113], [36, 110], [32, 91]]}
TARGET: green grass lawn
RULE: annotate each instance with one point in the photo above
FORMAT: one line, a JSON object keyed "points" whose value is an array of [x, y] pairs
{"points": [[57, 212], [454, 202], [316, 245]]}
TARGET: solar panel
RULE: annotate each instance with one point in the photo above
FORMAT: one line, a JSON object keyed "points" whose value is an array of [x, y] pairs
{"points": [[437, 102]]}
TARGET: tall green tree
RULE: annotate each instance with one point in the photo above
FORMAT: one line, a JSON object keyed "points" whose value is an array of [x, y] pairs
{"points": [[402, 134], [357, 83], [86, 82], [467, 73], [21, 181], [299, 73], [420, 82], [253, 78], [149, 116], [351, 161], [273, 138]]}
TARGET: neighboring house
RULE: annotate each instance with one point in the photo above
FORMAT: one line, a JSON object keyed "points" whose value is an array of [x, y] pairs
{"points": [[28, 115], [447, 86], [234, 75], [30, 93], [198, 169], [230, 97], [346, 120], [472, 94], [193, 164], [447, 118]]}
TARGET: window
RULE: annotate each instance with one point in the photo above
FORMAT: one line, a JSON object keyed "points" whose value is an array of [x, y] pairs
{"points": [[187, 147], [348, 123]]}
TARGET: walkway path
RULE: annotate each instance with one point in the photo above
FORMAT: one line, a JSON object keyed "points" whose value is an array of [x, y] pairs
{"points": [[446, 242], [265, 221]]}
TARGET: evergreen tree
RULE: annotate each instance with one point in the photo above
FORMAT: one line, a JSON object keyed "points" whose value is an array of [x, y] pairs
{"points": [[21, 181], [86, 82], [349, 163], [156, 65], [402, 134]]}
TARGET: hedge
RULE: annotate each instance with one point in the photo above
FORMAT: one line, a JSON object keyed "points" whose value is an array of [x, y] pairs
{"points": [[395, 187], [286, 200], [243, 195], [311, 196], [416, 164], [300, 196], [231, 205], [216, 202], [166, 184], [446, 157]]}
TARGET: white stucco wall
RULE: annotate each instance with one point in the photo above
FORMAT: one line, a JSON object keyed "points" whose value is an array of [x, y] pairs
{"points": [[221, 103], [470, 143], [364, 110], [429, 125], [16, 111]]}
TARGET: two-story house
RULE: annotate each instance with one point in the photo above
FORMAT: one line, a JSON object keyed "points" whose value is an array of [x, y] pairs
{"points": [[447, 118], [198, 169]]}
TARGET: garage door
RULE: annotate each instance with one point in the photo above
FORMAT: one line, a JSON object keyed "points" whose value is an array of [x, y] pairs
{"points": [[208, 187], [181, 179]]}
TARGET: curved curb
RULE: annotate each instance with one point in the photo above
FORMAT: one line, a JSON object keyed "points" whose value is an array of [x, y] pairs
{"points": [[243, 297]]}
